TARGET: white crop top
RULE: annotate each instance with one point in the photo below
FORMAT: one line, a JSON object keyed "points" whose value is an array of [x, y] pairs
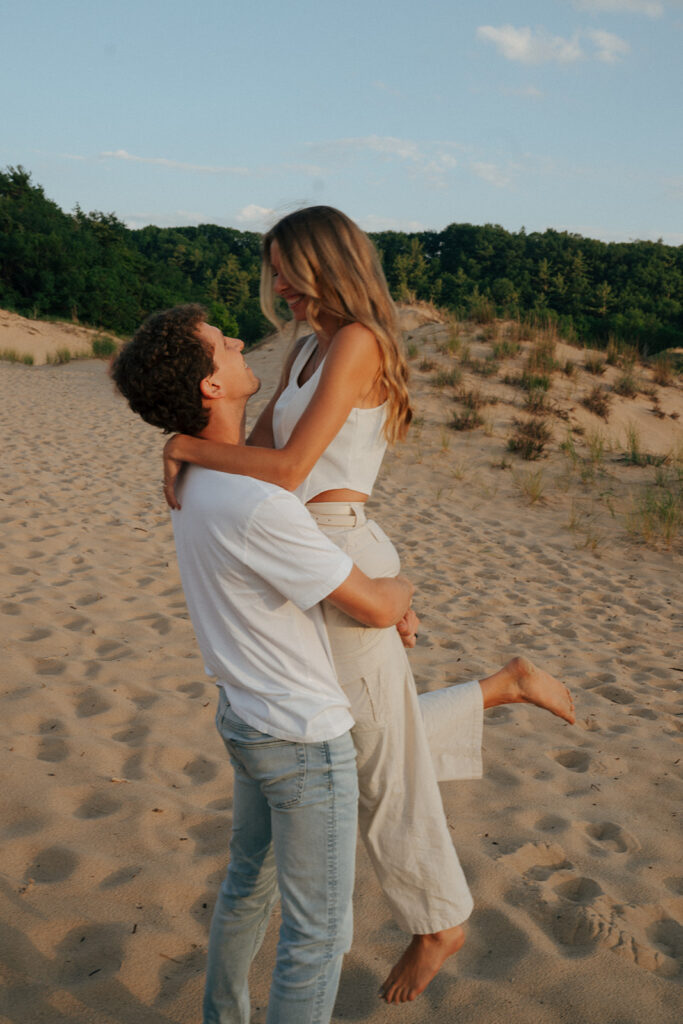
{"points": [[353, 457]]}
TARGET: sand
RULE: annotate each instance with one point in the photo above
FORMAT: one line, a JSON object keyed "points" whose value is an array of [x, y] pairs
{"points": [[43, 340], [117, 791]]}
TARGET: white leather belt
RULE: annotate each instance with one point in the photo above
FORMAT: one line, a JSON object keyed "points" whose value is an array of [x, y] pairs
{"points": [[332, 513]]}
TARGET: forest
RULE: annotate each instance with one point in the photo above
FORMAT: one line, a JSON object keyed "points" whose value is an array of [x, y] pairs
{"points": [[92, 269]]}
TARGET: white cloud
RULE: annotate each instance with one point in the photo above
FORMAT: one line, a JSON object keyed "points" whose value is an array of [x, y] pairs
{"points": [[385, 145], [531, 46], [431, 161], [652, 8], [609, 47], [254, 217], [122, 154], [537, 47], [491, 173]]}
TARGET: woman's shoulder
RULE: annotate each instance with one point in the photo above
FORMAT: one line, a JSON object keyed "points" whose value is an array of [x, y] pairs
{"points": [[355, 333], [356, 340]]}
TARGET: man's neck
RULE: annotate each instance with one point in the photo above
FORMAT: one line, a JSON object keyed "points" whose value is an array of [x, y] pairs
{"points": [[226, 424]]}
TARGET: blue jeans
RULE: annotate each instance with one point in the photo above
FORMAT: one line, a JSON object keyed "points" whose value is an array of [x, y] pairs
{"points": [[293, 836]]}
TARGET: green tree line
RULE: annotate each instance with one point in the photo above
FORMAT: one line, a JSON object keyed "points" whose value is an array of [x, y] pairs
{"points": [[92, 268]]}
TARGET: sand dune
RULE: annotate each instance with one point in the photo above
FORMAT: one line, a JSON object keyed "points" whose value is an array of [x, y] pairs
{"points": [[117, 793], [41, 340]]}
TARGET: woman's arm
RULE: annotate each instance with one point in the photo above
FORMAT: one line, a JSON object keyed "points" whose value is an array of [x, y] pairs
{"points": [[348, 376]]}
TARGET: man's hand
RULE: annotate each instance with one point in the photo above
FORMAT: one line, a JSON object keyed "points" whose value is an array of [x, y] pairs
{"points": [[172, 468], [408, 628]]}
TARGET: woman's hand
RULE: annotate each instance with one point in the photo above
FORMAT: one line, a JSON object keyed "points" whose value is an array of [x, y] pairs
{"points": [[172, 468], [407, 628]]}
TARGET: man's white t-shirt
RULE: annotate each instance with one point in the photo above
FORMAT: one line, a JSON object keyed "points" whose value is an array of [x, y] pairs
{"points": [[254, 568]]}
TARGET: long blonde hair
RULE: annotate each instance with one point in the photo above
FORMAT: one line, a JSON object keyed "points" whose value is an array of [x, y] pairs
{"points": [[329, 260]]}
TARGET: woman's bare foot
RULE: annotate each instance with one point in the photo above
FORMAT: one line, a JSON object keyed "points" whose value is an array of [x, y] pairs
{"points": [[521, 682], [424, 957]]}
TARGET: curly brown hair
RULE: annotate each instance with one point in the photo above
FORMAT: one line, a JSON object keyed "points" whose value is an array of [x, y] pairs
{"points": [[160, 369]]}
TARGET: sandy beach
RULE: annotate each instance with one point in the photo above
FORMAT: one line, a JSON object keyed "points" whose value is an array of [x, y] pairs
{"points": [[117, 789]]}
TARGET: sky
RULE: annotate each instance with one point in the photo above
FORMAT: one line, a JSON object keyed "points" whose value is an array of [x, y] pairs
{"points": [[562, 114]]}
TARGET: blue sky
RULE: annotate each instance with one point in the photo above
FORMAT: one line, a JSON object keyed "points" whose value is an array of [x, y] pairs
{"points": [[537, 113]]}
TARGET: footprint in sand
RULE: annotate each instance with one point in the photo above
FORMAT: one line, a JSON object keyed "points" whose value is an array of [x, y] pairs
{"points": [[212, 835], [667, 934], [574, 760], [112, 650], [222, 804], [37, 634], [645, 935], [77, 622], [580, 916], [200, 770], [91, 950], [98, 805], [538, 860], [49, 666], [579, 890], [192, 689], [611, 837], [121, 877], [145, 700], [9, 608], [551, 823], [615, 694], [52, 747], [502, 777], [133, 766], [91, 702], [53, 864], [134, 734], [640, 712]]}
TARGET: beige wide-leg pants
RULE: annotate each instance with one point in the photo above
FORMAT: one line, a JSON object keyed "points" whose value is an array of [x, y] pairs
{"points": [[404, 744]]}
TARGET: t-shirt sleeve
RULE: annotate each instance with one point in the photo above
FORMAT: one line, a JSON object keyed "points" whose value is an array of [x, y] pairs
{"points": [[286, 548]]}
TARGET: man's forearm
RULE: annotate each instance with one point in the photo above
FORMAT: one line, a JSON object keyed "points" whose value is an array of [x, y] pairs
{"points": [[373, 602]]}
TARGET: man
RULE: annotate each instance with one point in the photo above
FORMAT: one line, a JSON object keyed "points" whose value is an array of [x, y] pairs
{"points": [[254, 568]]}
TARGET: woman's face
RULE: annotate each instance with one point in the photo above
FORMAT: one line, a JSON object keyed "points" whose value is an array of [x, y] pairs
{"points": [[297, 302]]}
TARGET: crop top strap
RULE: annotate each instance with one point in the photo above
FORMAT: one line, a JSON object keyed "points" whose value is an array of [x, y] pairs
{"points": [[306, 347]]}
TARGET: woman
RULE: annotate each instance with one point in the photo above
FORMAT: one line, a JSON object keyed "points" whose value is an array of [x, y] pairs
{"points": [[342, 397]]}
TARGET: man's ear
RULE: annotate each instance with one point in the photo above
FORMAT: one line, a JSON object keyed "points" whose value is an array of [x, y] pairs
{"points": [[210, 388]]}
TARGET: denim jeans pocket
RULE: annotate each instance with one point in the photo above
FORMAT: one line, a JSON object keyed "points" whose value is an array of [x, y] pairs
{"points": [[286, 780]]}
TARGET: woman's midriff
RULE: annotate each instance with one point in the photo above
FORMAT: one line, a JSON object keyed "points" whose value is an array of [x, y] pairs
{"points": [[339, 495]]}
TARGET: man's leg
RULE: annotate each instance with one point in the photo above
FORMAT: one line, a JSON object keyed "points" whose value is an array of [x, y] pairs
{"points": [[308, 794], [246, 897], [314, 836]]}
